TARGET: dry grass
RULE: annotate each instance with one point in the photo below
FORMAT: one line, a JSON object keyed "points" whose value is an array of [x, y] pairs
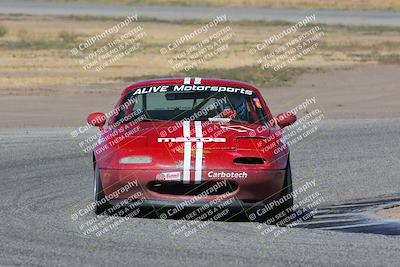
{"points": [[3, 30], [316, 4], [36, 60]]}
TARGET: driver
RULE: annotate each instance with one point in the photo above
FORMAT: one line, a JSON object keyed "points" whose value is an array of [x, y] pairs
{"points": [[227, 112]]}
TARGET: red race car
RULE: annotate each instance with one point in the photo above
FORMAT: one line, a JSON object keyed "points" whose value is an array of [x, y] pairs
{"points": [[185, 142]]}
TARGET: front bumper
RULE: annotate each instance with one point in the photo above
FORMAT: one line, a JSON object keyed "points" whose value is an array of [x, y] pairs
{"points": [[259, 185]]}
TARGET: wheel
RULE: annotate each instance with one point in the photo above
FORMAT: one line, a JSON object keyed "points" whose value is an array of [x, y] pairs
{"points": [[101, 204], [287, 188]]}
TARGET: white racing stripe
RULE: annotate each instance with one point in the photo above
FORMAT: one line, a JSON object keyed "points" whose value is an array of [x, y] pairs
{"points": [[187, 153], [199, 153], [186, 80], [197, 80]]}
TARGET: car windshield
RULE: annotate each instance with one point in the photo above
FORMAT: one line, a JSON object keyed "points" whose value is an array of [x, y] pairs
{"points": [[178, 103]]}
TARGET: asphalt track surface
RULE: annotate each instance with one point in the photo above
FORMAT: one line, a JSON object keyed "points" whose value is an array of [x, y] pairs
{"points": [[376, 18], [44, 178]]}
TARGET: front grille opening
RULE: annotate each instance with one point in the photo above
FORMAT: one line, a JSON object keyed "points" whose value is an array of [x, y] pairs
{"points": [[205, 189], [249, 160]]}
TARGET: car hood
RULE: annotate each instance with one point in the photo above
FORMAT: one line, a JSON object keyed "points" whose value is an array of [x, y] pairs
{"points": [[212, 135], [171, 144]]}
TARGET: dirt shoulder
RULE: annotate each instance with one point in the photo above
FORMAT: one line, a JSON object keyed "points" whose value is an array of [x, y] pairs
{"points": [[362, 92], [36, 59]]}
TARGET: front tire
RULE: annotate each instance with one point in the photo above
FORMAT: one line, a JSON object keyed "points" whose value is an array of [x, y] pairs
{"points": [[287, 189], [101, 204]]}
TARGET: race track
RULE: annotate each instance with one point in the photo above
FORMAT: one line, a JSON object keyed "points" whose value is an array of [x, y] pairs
{"points": [[44, 176]]}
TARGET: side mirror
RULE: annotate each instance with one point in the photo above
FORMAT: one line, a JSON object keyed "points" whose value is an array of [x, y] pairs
{"points": [[285, 119], [97, 119]]}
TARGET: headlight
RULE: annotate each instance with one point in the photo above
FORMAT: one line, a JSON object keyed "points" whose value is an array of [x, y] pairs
{"points": [[135, 160]]}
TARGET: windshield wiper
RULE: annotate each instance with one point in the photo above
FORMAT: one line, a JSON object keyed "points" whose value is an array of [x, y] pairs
{"points": [[239, 121], [149, 119], [227, 120]]}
